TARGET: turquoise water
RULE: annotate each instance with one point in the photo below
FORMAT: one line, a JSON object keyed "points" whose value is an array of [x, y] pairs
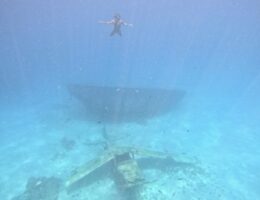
{"points": [[208, 49]]}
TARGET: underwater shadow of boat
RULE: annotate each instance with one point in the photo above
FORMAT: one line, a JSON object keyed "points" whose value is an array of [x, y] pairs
{"points": [[121, 104]]}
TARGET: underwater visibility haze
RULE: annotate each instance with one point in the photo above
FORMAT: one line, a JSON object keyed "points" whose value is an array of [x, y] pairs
{"points": [[129, 100]]}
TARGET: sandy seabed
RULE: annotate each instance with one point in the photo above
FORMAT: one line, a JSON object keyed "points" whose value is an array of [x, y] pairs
{"points": [[50, 141]]}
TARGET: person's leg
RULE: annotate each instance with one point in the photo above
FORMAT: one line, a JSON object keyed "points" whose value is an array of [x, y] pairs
{"points": [[112, 33], [119, 32]]}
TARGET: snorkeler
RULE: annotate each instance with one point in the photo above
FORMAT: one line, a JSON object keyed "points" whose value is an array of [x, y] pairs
{"points": [[117, 22]]}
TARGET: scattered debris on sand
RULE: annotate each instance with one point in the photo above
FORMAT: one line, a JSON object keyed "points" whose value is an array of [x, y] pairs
{"points": [[67, 144], [41, 188]]}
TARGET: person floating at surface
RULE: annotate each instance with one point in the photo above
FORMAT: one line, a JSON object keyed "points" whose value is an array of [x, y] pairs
{"points": [[117, 22]]}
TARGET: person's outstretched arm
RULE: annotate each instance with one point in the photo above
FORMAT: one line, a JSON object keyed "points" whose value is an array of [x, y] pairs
{"points": [[127, 24], [106, 22]]}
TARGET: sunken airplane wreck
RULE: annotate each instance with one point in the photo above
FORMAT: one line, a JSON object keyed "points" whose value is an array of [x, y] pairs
{"points": [[126, 170], [122, 104]]}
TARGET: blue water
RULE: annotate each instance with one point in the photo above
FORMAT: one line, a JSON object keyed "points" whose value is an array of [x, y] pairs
{"points": [[209, 49]]}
